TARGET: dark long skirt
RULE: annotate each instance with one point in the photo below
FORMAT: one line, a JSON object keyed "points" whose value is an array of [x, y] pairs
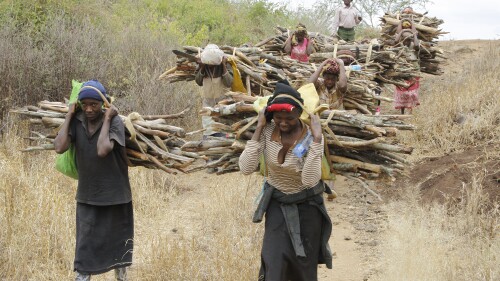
{"points": [[278, 259], [104, 237]]}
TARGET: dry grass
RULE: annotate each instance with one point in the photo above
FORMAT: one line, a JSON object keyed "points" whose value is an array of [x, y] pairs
{"points": [[442, 242]]}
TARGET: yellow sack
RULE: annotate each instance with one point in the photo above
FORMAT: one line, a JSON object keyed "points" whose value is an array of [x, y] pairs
{"points": [[311, 99], [307, 93], [237, 85]]}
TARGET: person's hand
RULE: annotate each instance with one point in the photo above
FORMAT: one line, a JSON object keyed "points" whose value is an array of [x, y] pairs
{"points": [[71, 110], [316, 129], [198, 61], [413, 27], [261, 121], [111, 111], [224, 60]]}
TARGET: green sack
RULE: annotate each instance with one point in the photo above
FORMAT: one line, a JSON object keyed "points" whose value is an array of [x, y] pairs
{"points": [[66, 162]]}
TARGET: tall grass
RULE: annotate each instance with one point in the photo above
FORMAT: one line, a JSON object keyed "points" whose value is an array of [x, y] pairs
{"points": [[442, 242]]}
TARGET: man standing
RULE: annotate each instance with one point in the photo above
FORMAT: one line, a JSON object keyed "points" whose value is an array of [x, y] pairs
{"points": [[344, 21], [104, 215]]}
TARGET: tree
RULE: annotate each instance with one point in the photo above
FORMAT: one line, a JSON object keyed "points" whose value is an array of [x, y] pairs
{"points": [[372, 9]]}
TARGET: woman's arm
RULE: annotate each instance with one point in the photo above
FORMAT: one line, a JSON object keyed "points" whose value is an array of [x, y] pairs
{"points": [[200, 72], [288, 44], [310, 46], [311, 172], [249, 158], [104, 144], [63, 140], [314, 77], [342, 83]]}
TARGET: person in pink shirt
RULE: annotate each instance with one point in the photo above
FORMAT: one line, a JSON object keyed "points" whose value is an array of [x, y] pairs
{"points": [[299, 46]]}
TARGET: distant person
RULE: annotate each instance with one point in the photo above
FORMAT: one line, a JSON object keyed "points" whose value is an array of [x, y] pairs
{"points": [[345, 20], [297, 225], [299, 46], [104, 214], [407, 36], [333, 86], [214, 75]]}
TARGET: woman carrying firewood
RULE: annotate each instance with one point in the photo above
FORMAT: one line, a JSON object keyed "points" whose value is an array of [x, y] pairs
{"points": [[333, 86], [297, 226], [215, 77], [299, 46], [407, 98], [104, 213]]}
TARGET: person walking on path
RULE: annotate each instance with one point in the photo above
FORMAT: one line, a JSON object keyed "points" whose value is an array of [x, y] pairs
{"points": [[104, 214], [215, 77], [297, 225], [333, 86], [345, 20], [299, 46], [408, 97]]}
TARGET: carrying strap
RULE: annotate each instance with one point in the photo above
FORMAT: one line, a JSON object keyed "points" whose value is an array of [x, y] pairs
{"points": [[103, 97], [295, 100]]}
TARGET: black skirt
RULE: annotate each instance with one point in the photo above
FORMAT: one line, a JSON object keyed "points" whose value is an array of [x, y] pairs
{"points": [[104, 237], [278, 259]]}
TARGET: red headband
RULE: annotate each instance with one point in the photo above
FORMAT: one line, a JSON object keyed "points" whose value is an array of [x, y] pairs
{"points": [[280, 107]]}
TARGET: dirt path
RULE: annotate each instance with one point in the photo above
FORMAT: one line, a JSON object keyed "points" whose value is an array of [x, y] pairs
{"points": [[354, 233]]}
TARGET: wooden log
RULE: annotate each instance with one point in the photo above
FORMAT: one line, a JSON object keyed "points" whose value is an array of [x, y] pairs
{"points": [[168, 116], [160, 125], [150, 132], [50, 122], [359, 164], [205, 145], [47, 146]]}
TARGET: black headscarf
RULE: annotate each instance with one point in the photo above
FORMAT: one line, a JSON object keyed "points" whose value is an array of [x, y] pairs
{"points": [[283, 87]]}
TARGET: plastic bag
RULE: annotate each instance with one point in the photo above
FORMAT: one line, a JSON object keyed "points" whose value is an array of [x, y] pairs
{"points": [[66, 162], [212, 55]]}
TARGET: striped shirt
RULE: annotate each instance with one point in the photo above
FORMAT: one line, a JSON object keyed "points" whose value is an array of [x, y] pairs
{"points": [[295, 174]]}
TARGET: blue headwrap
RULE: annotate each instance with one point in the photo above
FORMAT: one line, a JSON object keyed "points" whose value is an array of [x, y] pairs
{"points": [[91, 89]]}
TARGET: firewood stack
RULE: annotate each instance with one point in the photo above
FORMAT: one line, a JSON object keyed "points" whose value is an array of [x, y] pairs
{"points": [[151, 142], [261, 71], [359, 145], [428, 32]]}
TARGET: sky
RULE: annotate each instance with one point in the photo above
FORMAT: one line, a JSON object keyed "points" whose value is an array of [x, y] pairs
{"points": [[463, 19]]}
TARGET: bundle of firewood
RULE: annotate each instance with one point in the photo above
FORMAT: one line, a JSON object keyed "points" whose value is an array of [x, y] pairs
{"points": [[359, 145], [151, 142], [430, 56], [261, 70]]}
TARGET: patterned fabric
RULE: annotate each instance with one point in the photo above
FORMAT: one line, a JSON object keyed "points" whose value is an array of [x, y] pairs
{"points": [[346, 34], [295, 174], [299, 51], [407, 98], [329, 97]]}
